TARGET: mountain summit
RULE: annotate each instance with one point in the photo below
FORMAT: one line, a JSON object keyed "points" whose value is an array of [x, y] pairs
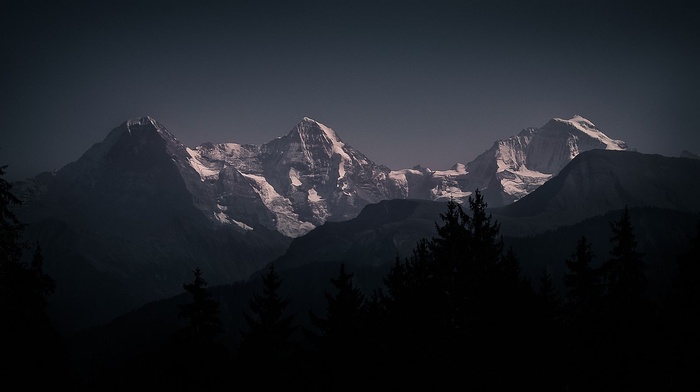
{"points": [[512, 168], [291, 184], [516, 166]]}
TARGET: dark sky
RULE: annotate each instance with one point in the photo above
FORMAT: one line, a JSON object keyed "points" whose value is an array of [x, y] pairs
{"points": [[406, 83]]}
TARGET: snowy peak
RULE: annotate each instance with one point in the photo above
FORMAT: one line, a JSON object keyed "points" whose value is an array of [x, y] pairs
{"points": [[516, 166], [314, 144], [290, 184], [583, 125], [148, 124], [140, 122], [313, 132], [139, 131]]}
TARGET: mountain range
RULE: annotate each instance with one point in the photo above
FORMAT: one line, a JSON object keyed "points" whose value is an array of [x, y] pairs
{"points": [[128, 221]]}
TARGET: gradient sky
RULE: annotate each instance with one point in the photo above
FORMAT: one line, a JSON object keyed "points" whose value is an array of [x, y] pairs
{"points": [[405, 82]]}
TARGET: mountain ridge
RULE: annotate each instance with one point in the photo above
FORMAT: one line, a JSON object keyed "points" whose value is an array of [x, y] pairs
{"points": [[140, 203]]}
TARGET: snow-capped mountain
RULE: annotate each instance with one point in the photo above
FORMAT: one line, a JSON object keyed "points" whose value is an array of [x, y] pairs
{"points": [[299, 181], [142, 205], [514, 167], [293, 183], [525, 161]]}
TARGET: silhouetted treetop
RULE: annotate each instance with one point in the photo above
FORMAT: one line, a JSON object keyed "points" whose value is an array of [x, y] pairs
{"points": [[202, 312]]}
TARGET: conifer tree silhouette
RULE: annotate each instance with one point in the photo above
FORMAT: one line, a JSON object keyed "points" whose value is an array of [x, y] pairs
{"points": [[266, 345], [626, 309], [624, 271], [202, 313], [458, 293], [550, 302], [342, 339], [583, 317], [269, 330], [196, 361], [30, 344], [582, 281], [345, 311]]}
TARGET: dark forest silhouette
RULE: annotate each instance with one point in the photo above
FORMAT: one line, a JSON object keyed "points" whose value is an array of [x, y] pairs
{"points": [[457, 312], [34, 355]]}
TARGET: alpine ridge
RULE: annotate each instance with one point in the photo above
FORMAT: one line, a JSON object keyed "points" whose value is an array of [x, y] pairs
{"points": [[299, 181], [514, 167], [142, 205], [294, 183]]}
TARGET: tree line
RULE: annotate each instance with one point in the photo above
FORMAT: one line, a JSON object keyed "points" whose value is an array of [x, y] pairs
{"points": [[456, 312], [459, 312]]}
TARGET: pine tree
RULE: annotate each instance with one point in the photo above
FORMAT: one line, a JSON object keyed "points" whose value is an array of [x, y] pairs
{"points": [[12, 244], [34, 351], [345, 311], [266, 347], [548, 297], [581, 280], [484, 239], [458, 293], [449, 248], [626, 310], [582, 312], [270, 330], [343, 335], [202, 312], [624, 270], [193, 360]]}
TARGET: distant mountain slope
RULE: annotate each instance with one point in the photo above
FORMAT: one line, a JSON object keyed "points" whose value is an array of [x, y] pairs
{"points": [[526, 161], [374, 237], [512, 168], [599, 181], [593, 184]]}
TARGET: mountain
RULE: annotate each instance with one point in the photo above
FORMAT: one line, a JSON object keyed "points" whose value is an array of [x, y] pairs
{"points": [[140, 210], [126, 224], [515, 167], [512, 168], [593, 184], [599, 181], [291, 184], [380, 232]]}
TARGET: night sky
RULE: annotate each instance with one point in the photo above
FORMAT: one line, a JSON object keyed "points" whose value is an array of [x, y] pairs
{"points": [[406, 83]]}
